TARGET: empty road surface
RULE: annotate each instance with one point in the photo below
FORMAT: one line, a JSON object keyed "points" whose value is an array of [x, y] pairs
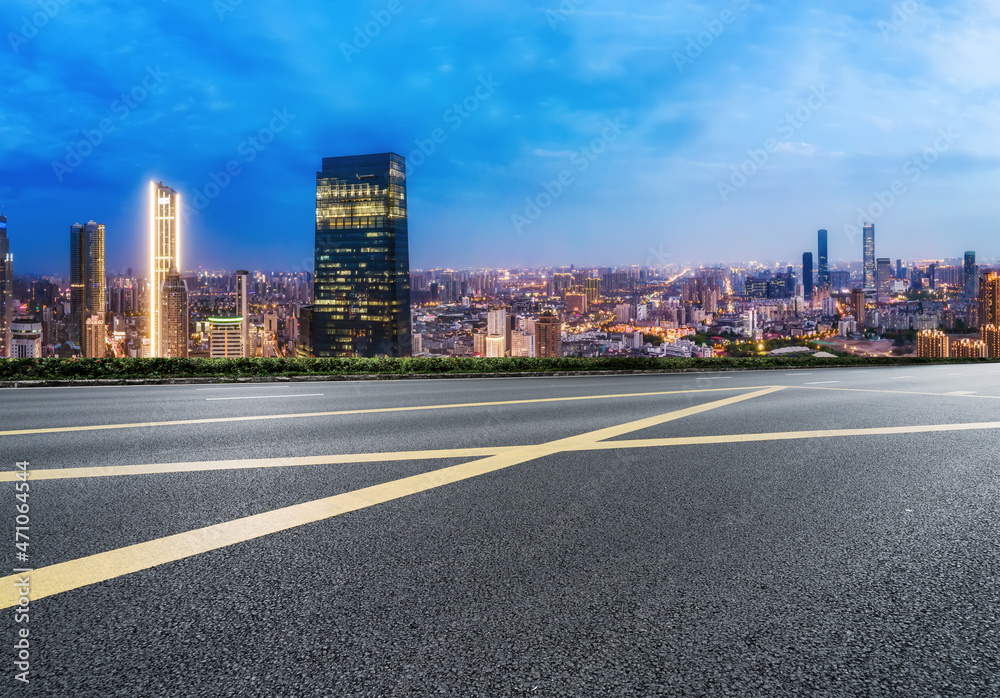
{"points": [[829, 532]]}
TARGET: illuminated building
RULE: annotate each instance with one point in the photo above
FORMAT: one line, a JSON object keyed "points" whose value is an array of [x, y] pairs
{"points": [[522, 344], [858, 301], [932, 344], [548, 337], [362, 281], [824, 258], [225, 337], [479, 343], [990, 336], [807, 276], [869, 256], [495, 346], [243, 309], [970, 349], [87, 286], [883, 277], [592, 287], [496, 333], [6, 290], [989, 312], [164, 252], [175, 328], [970, 275], [576, 303], [26, 339]]}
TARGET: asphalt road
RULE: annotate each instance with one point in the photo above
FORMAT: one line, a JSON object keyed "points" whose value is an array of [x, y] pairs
{"points": [[780, 533]]}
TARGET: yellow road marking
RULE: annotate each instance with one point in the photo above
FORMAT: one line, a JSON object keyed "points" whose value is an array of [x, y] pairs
{"points": [[207, 466], [785, 436], [414, 408], [73, 574]]}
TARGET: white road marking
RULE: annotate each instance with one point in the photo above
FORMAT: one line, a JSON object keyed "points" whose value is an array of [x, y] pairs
{"points": [[261, 397], [822, 382]]}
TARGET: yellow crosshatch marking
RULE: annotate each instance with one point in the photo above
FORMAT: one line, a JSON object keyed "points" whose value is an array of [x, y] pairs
{"points": [[93, 569]]}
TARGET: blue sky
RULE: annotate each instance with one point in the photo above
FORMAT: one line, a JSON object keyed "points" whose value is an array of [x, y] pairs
{"points": [[592, 131]]}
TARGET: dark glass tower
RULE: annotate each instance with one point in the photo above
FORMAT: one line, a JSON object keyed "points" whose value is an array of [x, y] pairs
{"points": [[87, 284], [970, 275], [824, 258], [807, 275], [362, 284], [6, 291], [869, 256]]}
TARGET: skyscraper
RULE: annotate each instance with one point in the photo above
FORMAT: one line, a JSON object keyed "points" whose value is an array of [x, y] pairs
{"points": [[6, 291], [824, 258], [869, 257], [243, 309], [174, 297], [807, 275], [164, 252], [548, 337], [362, 283], [989, 312], [87, 286], [970, 275], [858, 301], [224, 339], [883, 279]]}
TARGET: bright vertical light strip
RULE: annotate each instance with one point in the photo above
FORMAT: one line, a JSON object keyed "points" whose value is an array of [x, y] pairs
{"points": [[177, 228], [152, 266]]}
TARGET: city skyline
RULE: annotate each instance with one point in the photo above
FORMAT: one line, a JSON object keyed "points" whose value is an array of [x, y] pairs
{"points": [[625, 148]]}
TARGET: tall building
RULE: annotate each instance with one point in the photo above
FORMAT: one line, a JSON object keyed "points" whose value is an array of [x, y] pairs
{"points": [[243, 309], [174, 311], [576, 303], [807, 275], [970, 275], [6, 290], [224, 337], [496, 332], [88, 286], [164, 252], [869, 256], [26, 339], [548, 337], [989, 312], [858, 301], [883, 279], [932, 344], [592, 287], [970, 349], [824, 258], [362, 282]]}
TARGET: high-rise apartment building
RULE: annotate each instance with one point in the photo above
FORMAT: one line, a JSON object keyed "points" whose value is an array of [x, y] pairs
{"points": [[362, 282], [164, 251], [175, 314], [224, 337], [858, 300], [868, 239], [496, 333], [548, 337], [883, 279], [576, 303], [932, 344], [243, 309], [6, 291], [807, 275], [824, 258], [88, 287], [970, 349], [970, 290], [989, 312], [592, 287]]}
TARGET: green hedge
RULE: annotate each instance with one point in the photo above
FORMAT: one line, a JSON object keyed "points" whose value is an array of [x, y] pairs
{"points": [[55, 369]]}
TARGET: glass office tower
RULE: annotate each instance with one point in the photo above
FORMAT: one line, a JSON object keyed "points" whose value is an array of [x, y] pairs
{"points": [[164, 251], [869, 256], [88, 284], [362, 282], [824, 258], [6, 291]]}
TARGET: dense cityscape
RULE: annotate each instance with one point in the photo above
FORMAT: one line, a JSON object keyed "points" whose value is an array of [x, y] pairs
{"points": [[362, 299]]}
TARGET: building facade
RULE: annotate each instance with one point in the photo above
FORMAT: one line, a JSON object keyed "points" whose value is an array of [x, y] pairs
{"points": [[225, 337], [88, 287], [164, 251], [174, 309], [6, 290], [932, 344], [548, 337], [824, 257], [243, 309], [807, 276], [362, 282], [883, 280], [868, 243], [26, 339], [970, 278]]}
